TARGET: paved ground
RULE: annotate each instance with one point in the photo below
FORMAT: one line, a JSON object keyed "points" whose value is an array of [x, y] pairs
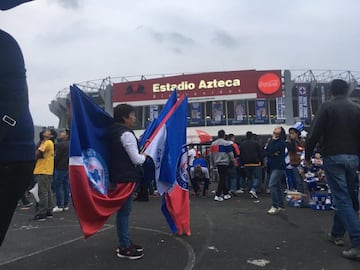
{"points": [[234, 234]]}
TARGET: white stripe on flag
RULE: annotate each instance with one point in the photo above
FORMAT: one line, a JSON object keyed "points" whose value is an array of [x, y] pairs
{"points": [[76, 161]]}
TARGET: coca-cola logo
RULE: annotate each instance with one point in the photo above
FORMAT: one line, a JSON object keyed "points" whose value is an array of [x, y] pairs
{"points": [[269, 83]]}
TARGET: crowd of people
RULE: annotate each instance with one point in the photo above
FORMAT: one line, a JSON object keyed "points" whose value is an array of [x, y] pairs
{"points": [[330, 152], [332, 143]]}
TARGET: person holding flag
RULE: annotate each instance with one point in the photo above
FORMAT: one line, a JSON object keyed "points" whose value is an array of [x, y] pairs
{"points": [[125, 167]]}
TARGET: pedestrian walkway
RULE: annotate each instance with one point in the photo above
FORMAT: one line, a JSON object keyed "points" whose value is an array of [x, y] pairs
{"points": [[233, 234]]}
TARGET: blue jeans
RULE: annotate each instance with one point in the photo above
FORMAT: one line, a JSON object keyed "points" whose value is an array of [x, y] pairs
{"points": [[122, 223], [62, 187], [298, 179], [290, 179], [275, 179], [231, 179], [253, 174], [340, 172]]}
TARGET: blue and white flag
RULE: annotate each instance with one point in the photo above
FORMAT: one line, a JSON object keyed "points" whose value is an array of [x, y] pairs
{"points": [[155, 123], [167, 148], [89, 164]]}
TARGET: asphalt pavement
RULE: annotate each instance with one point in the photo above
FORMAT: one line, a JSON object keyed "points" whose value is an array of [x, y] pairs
{"points": [[233, 234]]}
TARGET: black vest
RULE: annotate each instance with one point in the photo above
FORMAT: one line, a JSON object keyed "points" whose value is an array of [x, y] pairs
{"points": [[122, 170]]}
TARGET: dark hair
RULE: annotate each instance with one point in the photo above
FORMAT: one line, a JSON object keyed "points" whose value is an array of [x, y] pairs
{"points": [[221, 133], [339, 87], [296, 130], [67, 131], [249, 135], [231, 135], [122, 111], [282, 135]]}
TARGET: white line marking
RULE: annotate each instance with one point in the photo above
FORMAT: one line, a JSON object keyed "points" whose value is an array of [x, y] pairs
{"points": [[189, 265], [49, 248], [191, 253]]}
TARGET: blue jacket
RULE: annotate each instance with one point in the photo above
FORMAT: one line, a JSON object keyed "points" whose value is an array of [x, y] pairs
{"points": [[16, 125], [275, 151]]}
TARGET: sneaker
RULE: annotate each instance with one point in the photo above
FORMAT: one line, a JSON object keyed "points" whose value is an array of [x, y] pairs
{"points": [[240, 191], [227, 196], [129, 253], [136, 247], [273, 210], [281, 209], [338, 241], [39, 217], [49, 214], [66, 208], [352, 253], [253, 194], [57, 209], [233, 193], [218, 198], [26, 206]]}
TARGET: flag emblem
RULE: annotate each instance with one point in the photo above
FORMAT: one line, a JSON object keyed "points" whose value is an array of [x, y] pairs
{"points": [[96, 171], [182, 176]]}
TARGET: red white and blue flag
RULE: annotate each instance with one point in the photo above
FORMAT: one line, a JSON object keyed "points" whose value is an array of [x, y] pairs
{"points": [[94, 203], [167, 147]]}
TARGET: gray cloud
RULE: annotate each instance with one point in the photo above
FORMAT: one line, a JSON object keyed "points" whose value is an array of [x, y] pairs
{"points": [[173, 38], [224, 39]]}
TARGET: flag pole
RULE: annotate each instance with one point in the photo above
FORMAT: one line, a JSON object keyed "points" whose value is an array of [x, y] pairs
{"points": [[167, 116]]}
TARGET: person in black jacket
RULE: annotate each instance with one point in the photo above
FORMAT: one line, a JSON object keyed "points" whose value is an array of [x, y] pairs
{"points": [[275, 152], [336, 127], [17, 146], [126, 164], [251, 156], [61, 173]]}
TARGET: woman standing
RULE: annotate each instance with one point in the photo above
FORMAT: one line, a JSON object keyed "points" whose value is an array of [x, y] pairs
{"points": [[275, 152]]}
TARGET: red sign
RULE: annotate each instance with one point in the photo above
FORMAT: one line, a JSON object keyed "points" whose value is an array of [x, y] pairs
{"points": [[202, 85], [269, 83]]}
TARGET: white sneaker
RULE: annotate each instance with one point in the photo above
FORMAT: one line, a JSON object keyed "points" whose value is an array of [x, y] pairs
{"points": [[66, 208], [57, 209], [253, 194], [227, 196], [273, 210], [218, 198], [240, 191]]}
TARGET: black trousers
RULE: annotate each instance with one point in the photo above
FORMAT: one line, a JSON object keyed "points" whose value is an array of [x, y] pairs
{"points": [[222, 188], [15, 179]]}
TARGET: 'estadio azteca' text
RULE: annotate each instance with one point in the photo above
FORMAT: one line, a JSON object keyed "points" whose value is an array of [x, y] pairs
{"points": [[203, 84]]}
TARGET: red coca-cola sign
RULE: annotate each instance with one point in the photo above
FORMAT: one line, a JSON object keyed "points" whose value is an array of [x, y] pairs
{"points": [[269, 83]]}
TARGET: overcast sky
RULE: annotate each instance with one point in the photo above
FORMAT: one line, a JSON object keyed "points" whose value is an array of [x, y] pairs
{"points": [[69, 41]]}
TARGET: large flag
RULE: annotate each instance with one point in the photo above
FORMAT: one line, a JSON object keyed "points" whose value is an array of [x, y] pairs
{"points": [[167, 147], [93, 201], [156, 122]]}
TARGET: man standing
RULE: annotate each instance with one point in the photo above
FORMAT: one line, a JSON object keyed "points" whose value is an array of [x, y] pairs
{"points": [[125, 167], [192, 154], [43, 172], [337, 127], [61, 176], [251, 156], [233, 168], [221, 156], [295, 147], [16, 127]]}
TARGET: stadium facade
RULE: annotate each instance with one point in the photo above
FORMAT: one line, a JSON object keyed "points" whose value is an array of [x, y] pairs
{"points": [[236, 101]]}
